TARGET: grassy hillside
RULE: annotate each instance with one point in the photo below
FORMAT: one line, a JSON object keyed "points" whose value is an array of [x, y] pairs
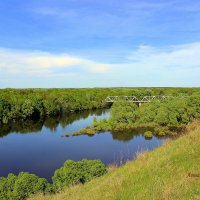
{"points": [[160, 174]]}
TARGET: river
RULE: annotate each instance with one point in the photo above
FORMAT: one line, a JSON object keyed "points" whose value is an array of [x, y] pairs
{"points": [[40, 148]]}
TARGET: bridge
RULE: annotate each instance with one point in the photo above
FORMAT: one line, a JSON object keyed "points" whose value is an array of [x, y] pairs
{"points": [[145, 99]]}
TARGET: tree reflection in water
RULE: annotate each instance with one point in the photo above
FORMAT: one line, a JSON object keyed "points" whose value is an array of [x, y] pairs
{"points": [[31, 126]]}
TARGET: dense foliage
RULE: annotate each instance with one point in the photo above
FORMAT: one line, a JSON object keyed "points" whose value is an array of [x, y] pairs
{"points": [[22, 186], [165, 115], [22, 104], [72, 173]]}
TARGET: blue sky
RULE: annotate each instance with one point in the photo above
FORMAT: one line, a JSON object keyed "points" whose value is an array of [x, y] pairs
{"points": [[87, 43]]}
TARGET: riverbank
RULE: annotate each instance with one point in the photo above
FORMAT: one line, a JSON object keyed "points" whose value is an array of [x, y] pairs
{"points": [[169, 172]]}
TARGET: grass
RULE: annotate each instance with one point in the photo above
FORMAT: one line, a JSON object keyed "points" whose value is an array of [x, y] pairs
{"points": [[161, 174]]}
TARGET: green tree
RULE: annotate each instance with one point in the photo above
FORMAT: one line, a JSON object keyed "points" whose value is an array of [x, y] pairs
{"points": [[123, 112], [27, 108]]}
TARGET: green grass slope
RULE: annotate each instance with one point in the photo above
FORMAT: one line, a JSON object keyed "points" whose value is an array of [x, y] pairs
{"points": [[160, 174]]}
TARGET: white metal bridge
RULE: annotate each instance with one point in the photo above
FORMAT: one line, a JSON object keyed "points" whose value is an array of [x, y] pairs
{"points": [[145, 99]]}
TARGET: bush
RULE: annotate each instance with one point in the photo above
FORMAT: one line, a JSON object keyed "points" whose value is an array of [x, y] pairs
{"points": [[148, 134], [6, 188], [90, 131], [84, 131], [22, 186], [162, 130], [72, 173], [27, 184]]}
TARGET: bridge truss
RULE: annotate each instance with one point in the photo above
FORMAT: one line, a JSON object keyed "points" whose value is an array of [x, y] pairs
{"points": [[145, 99]]}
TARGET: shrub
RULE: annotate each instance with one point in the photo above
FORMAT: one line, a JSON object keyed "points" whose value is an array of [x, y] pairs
{"points": [[84, 131], [22, 186], [162, 131], [148, 134], [27, 184], [90, 131], [72, 173], [5, 189]]}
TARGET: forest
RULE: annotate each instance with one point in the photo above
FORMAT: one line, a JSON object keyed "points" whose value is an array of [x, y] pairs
{"points": [[22, 104], [166, 117]]}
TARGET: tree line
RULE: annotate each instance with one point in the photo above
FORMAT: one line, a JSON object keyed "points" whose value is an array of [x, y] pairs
{"points": [[23, 104]]}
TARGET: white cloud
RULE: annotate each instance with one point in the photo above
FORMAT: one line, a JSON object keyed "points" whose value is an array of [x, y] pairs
{"points": [[52, 61], [168, 66], [99, 68], [180, 56], [37, 63], [147, 66]]}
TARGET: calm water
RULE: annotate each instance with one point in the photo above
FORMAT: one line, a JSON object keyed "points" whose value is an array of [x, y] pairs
{"points": [[38, 147]]}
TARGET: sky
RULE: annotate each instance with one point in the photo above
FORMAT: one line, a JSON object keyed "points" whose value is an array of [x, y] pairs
{"points": [[98, 43]]}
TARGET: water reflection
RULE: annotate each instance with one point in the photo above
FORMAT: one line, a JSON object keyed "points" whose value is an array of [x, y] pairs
{"points": [[22, 127], [128, 135], [51, 123], [37, 146]]}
